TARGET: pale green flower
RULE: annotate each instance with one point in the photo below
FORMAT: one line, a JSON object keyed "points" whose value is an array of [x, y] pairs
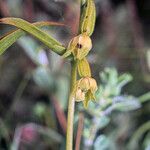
{"points": [[85, 90], [79, 47]]}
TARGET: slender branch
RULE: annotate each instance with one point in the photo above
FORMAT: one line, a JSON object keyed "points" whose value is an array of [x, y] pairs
{"points": [[69, 142], [79, 131], [60, 114], [138, 135]]}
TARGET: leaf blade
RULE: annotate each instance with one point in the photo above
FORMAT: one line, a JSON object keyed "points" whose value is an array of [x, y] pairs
{"points": [[49, 41], [9, 39]]}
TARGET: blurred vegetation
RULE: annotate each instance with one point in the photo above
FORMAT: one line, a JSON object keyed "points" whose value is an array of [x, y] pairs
{"points": [[34, 82]]}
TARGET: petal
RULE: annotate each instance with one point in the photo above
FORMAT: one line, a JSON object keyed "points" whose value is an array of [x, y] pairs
{"points": [[84, 84], [79, 96], [93, 85]]}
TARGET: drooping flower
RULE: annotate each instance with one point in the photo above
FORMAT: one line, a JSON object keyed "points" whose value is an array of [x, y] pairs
{"points": [[85, 90]]}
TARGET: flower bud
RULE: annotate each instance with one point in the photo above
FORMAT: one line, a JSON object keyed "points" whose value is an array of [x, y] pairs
{"points": [[87, 21]]}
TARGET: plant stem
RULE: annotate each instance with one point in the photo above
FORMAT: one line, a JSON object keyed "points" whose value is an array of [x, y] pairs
{"points": [[79, 131], [134, 142], [71, 104]]}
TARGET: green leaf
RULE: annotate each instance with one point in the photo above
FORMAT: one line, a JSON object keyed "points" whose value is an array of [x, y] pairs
{"points": [[138, 134], [124, 79], [146, 142], [112, 83], [67, 53], [129, 103], [33, 30], [102, 143], [145, 97], [7, 40], [103, 121]]}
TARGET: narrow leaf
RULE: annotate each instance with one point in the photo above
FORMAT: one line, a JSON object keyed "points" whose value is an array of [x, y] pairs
{"points": [[102, 143], [36, 32], [131, 103], [145, 97], [67, 53], [11, 37]]}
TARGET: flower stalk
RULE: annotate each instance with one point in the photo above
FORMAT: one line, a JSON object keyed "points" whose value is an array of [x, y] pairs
{"points": [[71, 106]]}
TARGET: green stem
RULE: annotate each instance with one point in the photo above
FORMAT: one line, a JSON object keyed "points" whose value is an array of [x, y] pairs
{"points": [[138, 134], [69, 142], [145, 97]]}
